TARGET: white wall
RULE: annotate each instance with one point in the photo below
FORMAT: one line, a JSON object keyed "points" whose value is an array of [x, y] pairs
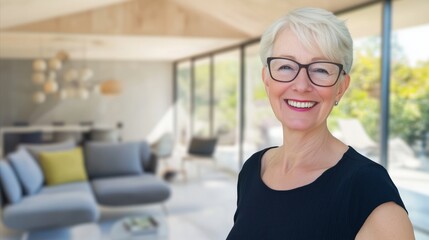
{"points": [[145, 100]]}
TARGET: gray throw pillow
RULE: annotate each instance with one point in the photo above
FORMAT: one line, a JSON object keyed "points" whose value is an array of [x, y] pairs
{"points": [[36, 149], [112, 159], [9, 182], [28, 171]]}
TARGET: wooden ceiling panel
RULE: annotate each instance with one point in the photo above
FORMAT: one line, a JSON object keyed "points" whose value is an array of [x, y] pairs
{"points": [[254, 16], [166, 29], [139, 17]]}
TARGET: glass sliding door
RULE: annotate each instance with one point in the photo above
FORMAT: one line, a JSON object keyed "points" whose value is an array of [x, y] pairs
{"points": [[226, 81], [409, 99], [183, 103], [201, 101], [408, 160]]}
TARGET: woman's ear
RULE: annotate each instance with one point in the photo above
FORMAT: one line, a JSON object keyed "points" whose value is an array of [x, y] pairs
{"points": [[265, 76], [343, 86]]}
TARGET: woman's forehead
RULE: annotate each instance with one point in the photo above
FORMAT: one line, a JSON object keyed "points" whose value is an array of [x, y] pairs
{"points": [[287, 44]]}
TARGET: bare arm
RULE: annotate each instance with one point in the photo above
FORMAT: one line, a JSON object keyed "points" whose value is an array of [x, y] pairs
{"points": [[387, 221]]}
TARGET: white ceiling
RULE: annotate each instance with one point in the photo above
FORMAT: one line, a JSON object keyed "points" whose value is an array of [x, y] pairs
{"points": [[160, 30]]}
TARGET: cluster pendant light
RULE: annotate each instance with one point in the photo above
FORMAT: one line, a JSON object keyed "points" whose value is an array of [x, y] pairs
{"points": [[61, 82]]}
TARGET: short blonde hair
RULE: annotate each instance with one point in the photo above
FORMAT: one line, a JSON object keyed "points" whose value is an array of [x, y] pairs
{"points": [[313, 27]]}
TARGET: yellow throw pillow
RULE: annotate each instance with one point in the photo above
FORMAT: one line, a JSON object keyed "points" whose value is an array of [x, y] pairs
{"points": [[63, 166]]}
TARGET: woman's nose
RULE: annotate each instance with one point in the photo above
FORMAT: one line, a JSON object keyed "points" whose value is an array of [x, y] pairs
{"points": [[302, 81]]}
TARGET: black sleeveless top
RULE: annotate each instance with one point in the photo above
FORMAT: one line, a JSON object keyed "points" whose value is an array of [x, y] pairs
{"points": [[334, 206]]}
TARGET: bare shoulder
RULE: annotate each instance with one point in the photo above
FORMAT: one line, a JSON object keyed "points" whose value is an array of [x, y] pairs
{"points": [[387, 221]]}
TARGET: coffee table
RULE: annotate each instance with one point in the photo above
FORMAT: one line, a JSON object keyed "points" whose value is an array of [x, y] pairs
{"points": [[119, 231]]}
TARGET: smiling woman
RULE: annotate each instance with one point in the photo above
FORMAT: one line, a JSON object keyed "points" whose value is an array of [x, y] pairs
{"points": [[307, 56]]}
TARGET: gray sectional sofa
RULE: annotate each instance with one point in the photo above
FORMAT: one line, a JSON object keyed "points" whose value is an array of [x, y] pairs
{"points": [[39, 191]]}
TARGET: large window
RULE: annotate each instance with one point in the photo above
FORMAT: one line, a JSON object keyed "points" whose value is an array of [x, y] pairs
{"points": [[409, 101], [409, 118], [226, 109], [226, 79], [201, 121], [183, 104]]}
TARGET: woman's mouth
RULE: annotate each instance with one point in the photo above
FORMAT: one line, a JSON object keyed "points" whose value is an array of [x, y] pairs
{"points": [[301, 104]]}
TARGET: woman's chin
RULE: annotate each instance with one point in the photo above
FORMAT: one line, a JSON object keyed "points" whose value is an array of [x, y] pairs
{"points": [[298, 125]]}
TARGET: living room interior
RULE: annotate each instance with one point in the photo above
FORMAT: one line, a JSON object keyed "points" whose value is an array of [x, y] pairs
{"points": [[140, 70]]}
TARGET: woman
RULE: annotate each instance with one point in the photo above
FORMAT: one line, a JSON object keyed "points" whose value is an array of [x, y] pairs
{"points": [[313, 186]]}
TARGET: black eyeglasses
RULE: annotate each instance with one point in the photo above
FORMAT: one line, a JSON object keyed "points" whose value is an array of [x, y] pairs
{"points": [[322, 74]]}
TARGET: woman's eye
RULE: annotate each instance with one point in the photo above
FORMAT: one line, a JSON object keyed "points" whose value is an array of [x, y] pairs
{"points": [[321, 71], [284, 67]]}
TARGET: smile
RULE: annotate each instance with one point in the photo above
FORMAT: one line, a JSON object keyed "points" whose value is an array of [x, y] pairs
{"points": [[304, 105]]}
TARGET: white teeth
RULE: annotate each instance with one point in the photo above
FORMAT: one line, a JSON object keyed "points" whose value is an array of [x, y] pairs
{"points": [[300, 104]]}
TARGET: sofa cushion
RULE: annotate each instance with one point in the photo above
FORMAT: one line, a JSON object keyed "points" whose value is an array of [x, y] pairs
{"points": [[75, 187], [36, 149], [130, 190], [28, 171], [63, 166], [112, 159], [9, 182], [56, 206]]}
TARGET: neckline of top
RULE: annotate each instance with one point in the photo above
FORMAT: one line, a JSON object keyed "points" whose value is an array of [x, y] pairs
{"points": [[303, 187]]}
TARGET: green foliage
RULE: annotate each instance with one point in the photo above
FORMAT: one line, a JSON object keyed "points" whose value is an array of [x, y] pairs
{"points": [[409, 90], [227, 77], [409, 101]]}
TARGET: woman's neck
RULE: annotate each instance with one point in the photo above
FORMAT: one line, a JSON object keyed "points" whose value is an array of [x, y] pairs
{"points": [[304, 150]]}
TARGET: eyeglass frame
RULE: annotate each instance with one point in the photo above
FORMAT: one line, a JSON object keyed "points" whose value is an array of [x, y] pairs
{"points": [[342, 71]]}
